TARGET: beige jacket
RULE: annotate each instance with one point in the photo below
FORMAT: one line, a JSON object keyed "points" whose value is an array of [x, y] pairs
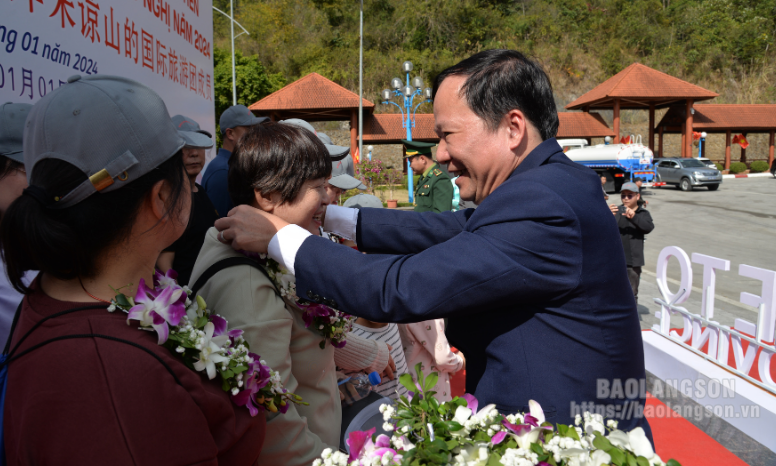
{"points": [[426, 343], [246, 298]]}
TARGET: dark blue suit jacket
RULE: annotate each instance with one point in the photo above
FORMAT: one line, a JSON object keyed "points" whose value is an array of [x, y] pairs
{"points": [[533, 282], [216, 184]]}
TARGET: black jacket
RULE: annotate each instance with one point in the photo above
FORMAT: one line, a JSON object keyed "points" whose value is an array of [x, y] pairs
{"points": [[632, 231]]}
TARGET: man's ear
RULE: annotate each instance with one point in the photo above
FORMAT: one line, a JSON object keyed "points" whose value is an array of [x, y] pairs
{"points": [[266, 202], [517, 128]]}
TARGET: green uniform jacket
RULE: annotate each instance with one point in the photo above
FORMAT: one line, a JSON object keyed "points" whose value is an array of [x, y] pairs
{"points": [[434, 192]]}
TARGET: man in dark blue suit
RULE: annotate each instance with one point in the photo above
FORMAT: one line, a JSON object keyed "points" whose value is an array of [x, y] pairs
{"points": [[533, 282]]}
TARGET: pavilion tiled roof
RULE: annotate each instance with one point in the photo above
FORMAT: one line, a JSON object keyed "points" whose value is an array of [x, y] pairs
{"points": [[723, 117], [312, 97], [582, 125], [386, 128], [637, 86]]}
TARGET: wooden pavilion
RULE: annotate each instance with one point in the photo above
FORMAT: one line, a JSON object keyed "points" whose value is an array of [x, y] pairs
{"points": [[315, 98], [641, 87], [724, 118]]}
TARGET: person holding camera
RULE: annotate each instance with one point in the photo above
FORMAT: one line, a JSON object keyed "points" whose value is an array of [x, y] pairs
{"points": [[634, 222]]}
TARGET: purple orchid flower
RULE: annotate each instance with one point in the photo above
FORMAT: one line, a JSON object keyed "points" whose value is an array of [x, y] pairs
{"points": [[530, 431], [219, 324], [169, 278], [311, 311], [247, 397], [158, 308]]}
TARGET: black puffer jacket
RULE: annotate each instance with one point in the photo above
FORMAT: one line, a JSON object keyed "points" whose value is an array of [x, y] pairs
{"points": [[632, 231]]}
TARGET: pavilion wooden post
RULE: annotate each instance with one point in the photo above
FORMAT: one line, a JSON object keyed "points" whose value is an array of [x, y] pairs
{"points": [[353, 133], [771, 147], [660, 142], [743, 151], [727, 150], [616, 121], [688, 130], [652, 126], [684, 142]]}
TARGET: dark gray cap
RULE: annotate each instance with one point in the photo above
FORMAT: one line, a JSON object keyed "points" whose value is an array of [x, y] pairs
{"points": [[335, 152], [12, 118], [112, 128], [363, 200], [341, 178], [192, 133], [629, 186], [238, 115]]}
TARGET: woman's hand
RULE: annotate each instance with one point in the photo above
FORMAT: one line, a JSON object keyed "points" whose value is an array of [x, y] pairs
{"points": [[249, 229]]}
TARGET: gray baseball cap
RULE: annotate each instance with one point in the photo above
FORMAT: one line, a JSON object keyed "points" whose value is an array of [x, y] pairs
{"points": [[336, 152], [341, 178], [113, 128], [12, 118], [632, 187], [238, 115], [192, 133], [363, 200]]}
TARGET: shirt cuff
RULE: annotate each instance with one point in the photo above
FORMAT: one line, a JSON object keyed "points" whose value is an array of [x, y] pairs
{"points": [[341, 221], [285, 244]]}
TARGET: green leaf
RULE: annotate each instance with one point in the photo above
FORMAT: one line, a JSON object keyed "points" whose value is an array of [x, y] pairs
{"points": [[409, 384], [453, 426], [322, 344], [122, 300], [562, 428], [420, 376], [227, 374], [618, 457], [225, 385], [481, 437], [494, 459], [631, 459], [201, 322], [642, 461], [601, 442], [451, 444], [239, 369], [537, 449], [431, 381], [572, 433], [673, 462]]}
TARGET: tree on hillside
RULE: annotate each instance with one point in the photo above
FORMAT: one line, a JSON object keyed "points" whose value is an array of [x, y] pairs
{"points": [[253, 81]]}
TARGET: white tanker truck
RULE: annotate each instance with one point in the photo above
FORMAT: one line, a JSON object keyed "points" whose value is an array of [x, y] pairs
{"points": [[620, 163]]}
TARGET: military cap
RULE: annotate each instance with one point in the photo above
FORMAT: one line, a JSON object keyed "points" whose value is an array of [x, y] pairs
{"points": [[417, 148]]}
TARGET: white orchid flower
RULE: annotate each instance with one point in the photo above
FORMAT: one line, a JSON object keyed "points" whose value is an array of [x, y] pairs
{"points": [[600, 457], [212, 352]]}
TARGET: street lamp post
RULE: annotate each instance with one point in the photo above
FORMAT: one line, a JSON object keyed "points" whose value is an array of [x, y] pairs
{"points": [[232, 22], [407, 94]]}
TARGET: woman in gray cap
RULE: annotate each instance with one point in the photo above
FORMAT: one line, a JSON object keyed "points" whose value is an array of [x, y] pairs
{"points": [[108, 192]]}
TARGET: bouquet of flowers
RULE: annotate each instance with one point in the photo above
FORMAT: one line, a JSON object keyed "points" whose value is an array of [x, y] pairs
{"points": [[459, 432], [333, 325], [202, 339]]}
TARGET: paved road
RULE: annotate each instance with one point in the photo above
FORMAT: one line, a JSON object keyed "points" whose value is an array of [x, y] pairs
{"points": [[736, 222]]}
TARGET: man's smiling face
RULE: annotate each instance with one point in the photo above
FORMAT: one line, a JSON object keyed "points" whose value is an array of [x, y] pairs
{"points": [[481, 158]]}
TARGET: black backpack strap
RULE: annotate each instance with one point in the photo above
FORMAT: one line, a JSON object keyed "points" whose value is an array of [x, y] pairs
{"points": [[41, 321], [93, 335], [13, 326], [225, 264]]}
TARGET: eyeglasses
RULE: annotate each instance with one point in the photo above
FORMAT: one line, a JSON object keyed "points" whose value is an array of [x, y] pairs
{"points": [[627, 196]]}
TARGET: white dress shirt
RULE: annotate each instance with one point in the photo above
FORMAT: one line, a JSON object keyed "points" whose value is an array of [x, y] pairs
{"points": [[284, 245]]}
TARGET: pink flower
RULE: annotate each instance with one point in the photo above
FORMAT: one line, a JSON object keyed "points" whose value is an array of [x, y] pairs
{"points": [[158, 308], [168, 279]]}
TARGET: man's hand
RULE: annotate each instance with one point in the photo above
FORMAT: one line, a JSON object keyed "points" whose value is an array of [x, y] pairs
{"points": [[614, 208], [249, 229]]}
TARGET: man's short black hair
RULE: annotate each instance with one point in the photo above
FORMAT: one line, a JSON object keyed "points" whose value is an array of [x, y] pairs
{"points": [[501, 80]]}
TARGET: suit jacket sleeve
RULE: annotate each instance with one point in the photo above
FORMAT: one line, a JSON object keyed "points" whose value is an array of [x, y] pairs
{"points": [[521, 245], [401, 232]]}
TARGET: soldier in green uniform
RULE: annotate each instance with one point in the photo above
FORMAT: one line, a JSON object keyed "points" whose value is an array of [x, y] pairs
{"points": [[434, 192]]}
